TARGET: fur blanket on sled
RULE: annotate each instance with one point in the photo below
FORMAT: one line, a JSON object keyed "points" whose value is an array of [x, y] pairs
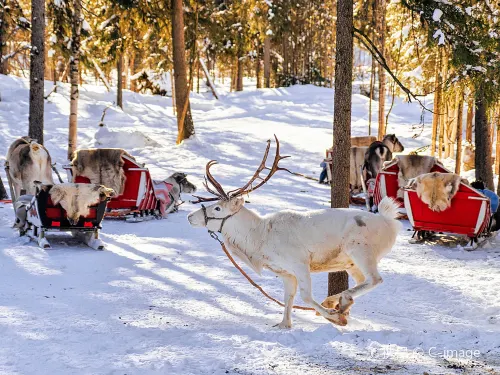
{"points": [[411, 166], [76, 199], [437, 189], [102, 166]]}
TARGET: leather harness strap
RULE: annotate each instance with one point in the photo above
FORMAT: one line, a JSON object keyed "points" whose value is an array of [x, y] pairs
{"points": [[223, 219], [215, 237]]}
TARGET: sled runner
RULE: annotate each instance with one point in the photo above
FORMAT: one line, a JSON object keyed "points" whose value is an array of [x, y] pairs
{"points": [[140, 199], [469, 215]]}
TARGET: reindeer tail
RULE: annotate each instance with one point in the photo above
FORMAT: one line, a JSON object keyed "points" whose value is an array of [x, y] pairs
{"points": [[35, 147], [388, 208]]}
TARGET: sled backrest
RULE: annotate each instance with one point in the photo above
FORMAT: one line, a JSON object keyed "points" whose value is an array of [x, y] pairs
{"points": [[54, 216], [386, 183], [137, 184]]}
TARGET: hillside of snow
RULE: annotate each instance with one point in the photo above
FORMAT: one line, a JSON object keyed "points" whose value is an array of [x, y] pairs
{"points": [[164, 299]]}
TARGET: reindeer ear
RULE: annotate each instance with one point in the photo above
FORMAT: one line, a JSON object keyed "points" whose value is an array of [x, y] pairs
{"points": [[41, 186], [179, 177], [412, 184], [236, 203]]}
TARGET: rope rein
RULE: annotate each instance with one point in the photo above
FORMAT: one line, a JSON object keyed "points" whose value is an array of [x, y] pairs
{"points": [[215, 237]]}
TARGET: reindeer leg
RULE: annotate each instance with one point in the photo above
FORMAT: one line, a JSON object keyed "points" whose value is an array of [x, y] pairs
{"points": [[333, 302], [290, 285], [367, 265], [304, 280]]}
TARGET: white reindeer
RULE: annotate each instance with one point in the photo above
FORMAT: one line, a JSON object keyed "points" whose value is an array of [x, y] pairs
{"points": [[294, 244]]}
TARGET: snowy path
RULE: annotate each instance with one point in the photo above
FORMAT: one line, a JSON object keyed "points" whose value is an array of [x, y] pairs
{"points": [[163, 299]]}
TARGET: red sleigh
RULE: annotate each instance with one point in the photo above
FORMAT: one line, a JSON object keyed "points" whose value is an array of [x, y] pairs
{"points": [[469, 213], [141, 198]]}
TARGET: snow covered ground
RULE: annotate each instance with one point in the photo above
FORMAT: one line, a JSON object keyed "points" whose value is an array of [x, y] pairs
{"points": [[163, 299]]}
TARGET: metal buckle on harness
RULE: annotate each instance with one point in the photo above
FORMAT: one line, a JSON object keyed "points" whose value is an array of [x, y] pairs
{"points": [[214, 236]]}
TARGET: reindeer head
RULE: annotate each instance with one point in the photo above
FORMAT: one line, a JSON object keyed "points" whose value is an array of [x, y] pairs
{"points": [[391, 141], [185, 186], [229, 203]]}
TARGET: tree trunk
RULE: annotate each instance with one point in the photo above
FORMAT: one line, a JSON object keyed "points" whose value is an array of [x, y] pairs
{"points": [[74, 66], [267, 62], [132, 70], [338, 281], [239, 74], [451, 136], [372, 88], [460, 110], [442, 128], [119, 86], [233, 76], [444, 106], [135, 65], [496, 123], [437, 103], [37, 70], [2, 32], [257, 67], [3, 193], [185, 125], [470, 116], [483, 146], [381, 72]]}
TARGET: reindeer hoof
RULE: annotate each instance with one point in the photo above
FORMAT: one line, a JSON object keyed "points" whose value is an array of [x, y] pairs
{"points": [[283, 325], [345, 303], [337, 318]]}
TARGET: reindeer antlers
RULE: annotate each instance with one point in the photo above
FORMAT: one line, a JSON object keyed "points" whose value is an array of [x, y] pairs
{"points": [[219, 192]]}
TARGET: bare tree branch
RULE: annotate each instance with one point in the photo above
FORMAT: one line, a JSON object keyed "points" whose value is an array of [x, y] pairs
{"points": [[375, 52]]}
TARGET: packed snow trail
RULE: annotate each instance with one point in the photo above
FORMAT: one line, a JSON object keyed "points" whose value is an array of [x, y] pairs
{"points": [[163, 298]]}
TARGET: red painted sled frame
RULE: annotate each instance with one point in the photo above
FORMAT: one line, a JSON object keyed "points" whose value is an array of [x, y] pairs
{"points": [[469, 213], [44, 216], [140, 195], [386, 183]]}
